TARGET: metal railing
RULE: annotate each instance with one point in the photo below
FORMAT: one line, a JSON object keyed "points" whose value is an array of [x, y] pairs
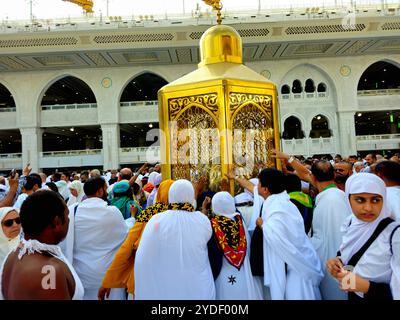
{"points": [[378, 137], [307, 95], [10, 155], [14, 109], [276, 11], [69, 153], [140, 149], [378, 92], [139, 103], [69, 106]]}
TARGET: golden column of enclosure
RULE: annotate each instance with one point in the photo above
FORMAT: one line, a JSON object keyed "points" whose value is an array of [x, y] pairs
{"points": [[221, 114]]}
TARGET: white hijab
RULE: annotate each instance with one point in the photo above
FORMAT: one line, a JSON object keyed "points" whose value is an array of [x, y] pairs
{"points": [[78, 186], [358, 232], [182, 191], [223, 204], [152, 177], [246, 196], [6, 244]]}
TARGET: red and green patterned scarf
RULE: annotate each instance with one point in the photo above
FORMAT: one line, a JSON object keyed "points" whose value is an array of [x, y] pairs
{"points": [[231, 238]]}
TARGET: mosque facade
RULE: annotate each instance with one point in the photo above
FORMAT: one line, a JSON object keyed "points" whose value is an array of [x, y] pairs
{"points": [[84, 93]]}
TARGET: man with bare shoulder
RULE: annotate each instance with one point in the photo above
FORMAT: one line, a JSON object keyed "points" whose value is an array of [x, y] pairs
{"points": [[37, 269]]}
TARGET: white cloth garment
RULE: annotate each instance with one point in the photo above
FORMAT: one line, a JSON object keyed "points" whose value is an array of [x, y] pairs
{"points": [[234, 284], [257, 204], [331, 211], [32, 246], [63, 189], [377, 263], [78, 186], [99, 231], [393, 201], [6, 244], [172, 259], [286, 242], [67, 245], [20, 200], [247, 211]]}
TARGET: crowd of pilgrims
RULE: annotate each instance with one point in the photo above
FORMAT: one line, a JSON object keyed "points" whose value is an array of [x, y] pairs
{"points": [[315, 229]]}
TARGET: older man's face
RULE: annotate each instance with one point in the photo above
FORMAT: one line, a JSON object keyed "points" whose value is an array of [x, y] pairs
{"points": [[342, 169]]}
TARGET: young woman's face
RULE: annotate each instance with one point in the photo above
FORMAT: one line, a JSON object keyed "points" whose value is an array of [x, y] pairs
{"points": [[11, 231], [366, 206]]}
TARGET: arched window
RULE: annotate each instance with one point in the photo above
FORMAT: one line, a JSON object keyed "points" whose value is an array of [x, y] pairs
{"points": [[296, 87], [292, 128], [380, 75], [320, 127], [6, 98], [68, 90], [310, 87], [143, 88], [321, 87], [285, 89]]}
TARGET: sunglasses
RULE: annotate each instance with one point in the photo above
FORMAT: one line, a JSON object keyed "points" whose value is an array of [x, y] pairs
{"points": [[8, 223]]}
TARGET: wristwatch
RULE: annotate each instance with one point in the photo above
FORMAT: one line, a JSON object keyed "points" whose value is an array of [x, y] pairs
{"points": [[291, 159]]}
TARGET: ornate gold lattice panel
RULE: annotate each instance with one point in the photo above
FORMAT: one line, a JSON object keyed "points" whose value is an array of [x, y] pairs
{"points": [[194, 137], [253, 132]]}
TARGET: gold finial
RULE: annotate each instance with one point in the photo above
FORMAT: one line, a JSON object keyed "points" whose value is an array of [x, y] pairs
{"points": [[216, 5]]}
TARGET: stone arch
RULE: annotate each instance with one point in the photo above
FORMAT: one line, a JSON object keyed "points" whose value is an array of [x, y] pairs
{"points": [[292, 128], [138, 75]]}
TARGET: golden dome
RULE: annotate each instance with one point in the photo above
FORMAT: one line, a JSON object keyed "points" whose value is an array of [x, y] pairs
{"points": [[220, 43]]}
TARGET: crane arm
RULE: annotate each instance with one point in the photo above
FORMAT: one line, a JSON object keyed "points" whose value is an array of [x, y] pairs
{"points": [[87, 5]]}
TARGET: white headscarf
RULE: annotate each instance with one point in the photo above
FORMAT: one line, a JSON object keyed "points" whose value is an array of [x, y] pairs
{"points": [[246, 196], [223, 204], [182, 191], [358, 232], [6, 244], [78, 186], [152, 177]]}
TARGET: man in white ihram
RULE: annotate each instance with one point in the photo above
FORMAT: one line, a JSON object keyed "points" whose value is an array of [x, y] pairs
{"points": [[292, 269], [99, 230]]}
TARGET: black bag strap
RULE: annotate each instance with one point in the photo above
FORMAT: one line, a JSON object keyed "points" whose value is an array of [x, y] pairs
{"points": [[381, 226], [76, 208], [261, 210], [391, 238]]}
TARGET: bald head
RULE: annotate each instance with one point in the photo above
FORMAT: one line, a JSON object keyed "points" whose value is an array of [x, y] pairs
{"points": [[125, 174], [323, 171]]}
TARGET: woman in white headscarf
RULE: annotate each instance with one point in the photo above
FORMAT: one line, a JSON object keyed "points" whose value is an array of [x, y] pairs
{"points": [[171, 262], [76, 189], [368, 271], [235, 280], [9, 231]]}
